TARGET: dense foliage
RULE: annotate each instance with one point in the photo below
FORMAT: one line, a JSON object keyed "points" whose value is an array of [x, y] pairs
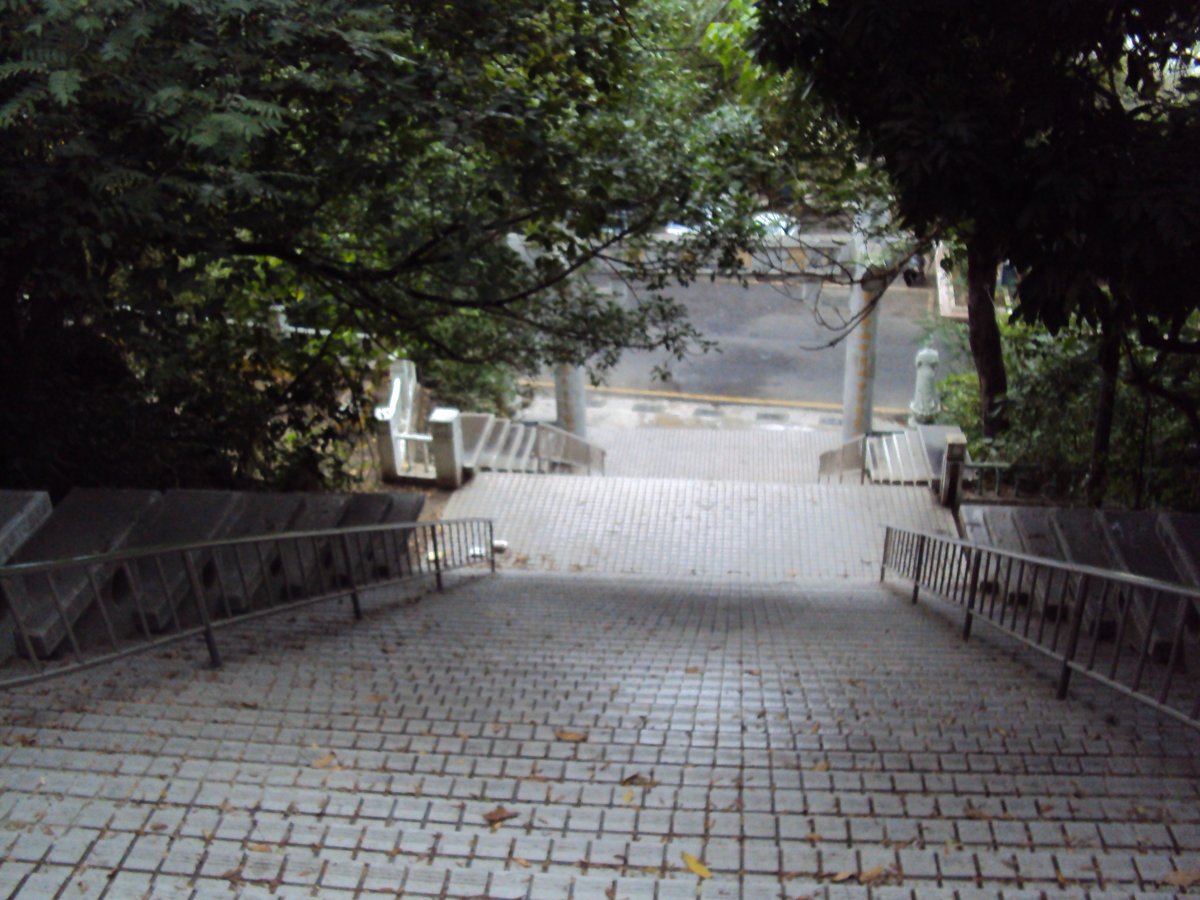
{"points": [[1055, 385], [1060, 135], [403, 177]]}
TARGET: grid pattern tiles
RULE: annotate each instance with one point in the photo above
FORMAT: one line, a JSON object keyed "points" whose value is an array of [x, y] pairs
{"points": [[787, 456], [526, 736], [676, 528]]}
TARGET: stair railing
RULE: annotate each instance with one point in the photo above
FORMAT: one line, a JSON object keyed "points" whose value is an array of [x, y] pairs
{"points": [[1139, 636], [134, 601]]}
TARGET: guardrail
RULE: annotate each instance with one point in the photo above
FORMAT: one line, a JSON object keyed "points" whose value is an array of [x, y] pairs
{"points": [[556, 447], [1136, 635], [1013, 483], [73, 614]]}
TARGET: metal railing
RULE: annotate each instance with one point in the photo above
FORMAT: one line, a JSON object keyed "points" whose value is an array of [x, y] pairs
{"points": [[556, 447], [1013, 483], [1136, 635], [70, 614]]}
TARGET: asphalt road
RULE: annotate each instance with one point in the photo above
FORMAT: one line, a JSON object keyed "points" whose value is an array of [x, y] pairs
{"points": [[771, 345]]}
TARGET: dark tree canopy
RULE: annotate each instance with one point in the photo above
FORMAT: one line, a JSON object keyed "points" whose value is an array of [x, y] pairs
{"points": [[175, 175], [1061, 135]]}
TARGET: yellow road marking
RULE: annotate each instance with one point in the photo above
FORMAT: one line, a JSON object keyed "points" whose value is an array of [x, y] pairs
{"points": [[714, 398]]}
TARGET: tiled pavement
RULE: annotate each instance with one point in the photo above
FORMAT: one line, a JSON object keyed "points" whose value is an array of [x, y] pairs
{"points": [[783, 456], [687, 528], [837, 743]]}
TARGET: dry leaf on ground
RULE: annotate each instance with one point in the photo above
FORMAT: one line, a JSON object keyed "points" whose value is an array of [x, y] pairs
{"points": [[574, 737], [842, 876], [498, 816], [325, 761], [376, 698], [260, 848], [822, 766], [870, 876], [696, 866], [1185, 878]]}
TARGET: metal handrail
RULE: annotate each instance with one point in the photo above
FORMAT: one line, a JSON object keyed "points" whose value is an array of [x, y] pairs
{"points": [[77, 613], [1084, 617]]}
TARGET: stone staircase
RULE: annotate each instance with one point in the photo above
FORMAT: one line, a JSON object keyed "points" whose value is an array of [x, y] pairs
{"points": [[496, 444], [687, 682]]}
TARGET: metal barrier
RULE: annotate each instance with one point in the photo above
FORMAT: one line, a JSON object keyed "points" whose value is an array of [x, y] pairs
{"points": [[1135, 635], [97, 609], [1012, 483]]}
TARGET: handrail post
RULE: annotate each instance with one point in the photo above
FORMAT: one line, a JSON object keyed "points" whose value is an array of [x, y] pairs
{"points": [[210, 637], [976, 558], [1064, 675], [354, 601], [437, 559], [862, 461], [920, 565], [887, 543], [492, 544]]}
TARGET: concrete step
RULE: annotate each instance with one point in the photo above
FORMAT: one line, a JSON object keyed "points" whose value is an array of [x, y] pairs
{"points": [[493, 443], [522, 459], [504, 459], [475, 429], [655, 527], [783, 456], [21, 514], [898, 458]]}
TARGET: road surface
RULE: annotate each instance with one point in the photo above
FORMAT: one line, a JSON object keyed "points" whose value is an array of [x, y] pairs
{"points": [[768, 344]]}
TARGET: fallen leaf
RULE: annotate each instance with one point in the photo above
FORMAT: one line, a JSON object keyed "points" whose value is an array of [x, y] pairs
{"points": [[976, 813], [870, 876], [753, 671], [630, 796], [159, 826], [822, 766], [697, 867], [325, 761], [259, 848], [638, 780], [842, 876], [376, 698], [812, 837], [498, 815], [693, 670], [523, 863], [1184, 879], [574, 737]]}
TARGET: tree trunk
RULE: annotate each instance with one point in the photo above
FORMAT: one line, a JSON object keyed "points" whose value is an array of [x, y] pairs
{"points": [[982, 261], [1106, 403]]}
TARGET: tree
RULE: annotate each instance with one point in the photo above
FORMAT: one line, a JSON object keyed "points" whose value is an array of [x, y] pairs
{"points": [[174, 176], [1034, 131]]}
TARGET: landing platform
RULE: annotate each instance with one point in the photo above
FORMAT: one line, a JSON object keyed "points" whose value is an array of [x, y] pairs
{"points": [[677, 528]]}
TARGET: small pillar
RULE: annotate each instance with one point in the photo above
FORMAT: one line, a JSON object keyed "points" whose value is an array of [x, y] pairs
{"points": [[445, 427], [858, 380], [570, 402], [925, 402], [952, 470]]}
